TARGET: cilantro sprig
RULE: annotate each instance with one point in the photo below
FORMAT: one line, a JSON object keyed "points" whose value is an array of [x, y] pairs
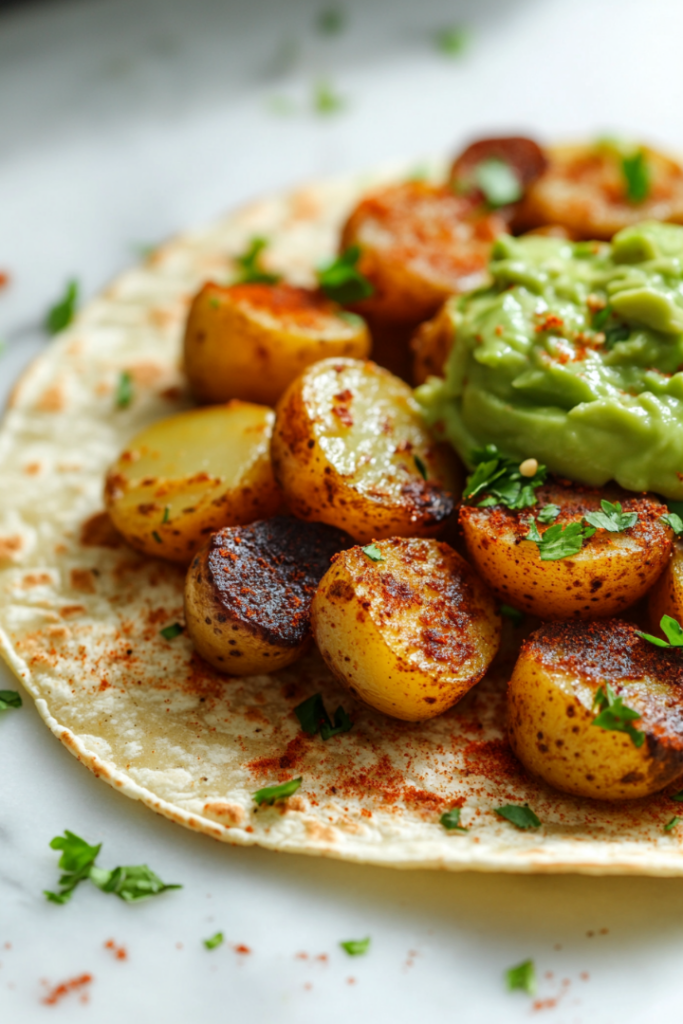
{"points": [[62, 313], [498, 183], [514, 614], [372, 552], [673, 520], [615, 716], [270, 795], [500, 479], [314, 718], [9, 699], [548, 514], [251, 270], [124, 390], [636, 175], [612, 517], [356, 947], [559, 541], [341, 280], [451, 821], [172, 631], [670, 628], [522, 976], [672, 824], [216, 940], [522, 817]]}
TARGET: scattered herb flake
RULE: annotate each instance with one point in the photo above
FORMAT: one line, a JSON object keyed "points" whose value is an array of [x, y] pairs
{"points": [[271, 794], [171, 632], [451, 821], [249, 264], [167, 514], [373, 553], [548, 514], [672, 824], [678, 797], [62, 313], [522, 817], [214, 302], [356, 947], [514, 614], [342, 281], [76, 862], [600, 318], [9, 699], [498, 182], [558, 541], [612, 518], [673, 520], [156, 536], [523, 977], [614, 334], [215, 941], [124, 390], [499, 478], [420, 466], [314, 718], [636, 174], [671, 630], [615, 716], [131, 884], [331, 21], [325, 100], [451, 41]]}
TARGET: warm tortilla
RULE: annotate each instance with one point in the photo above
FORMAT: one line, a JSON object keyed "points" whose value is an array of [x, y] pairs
{"points": [[81, 615]]}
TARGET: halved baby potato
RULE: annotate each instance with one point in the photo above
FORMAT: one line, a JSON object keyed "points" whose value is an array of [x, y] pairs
{"points": [[188, 475], [666, 596], [419, 244], [350, 448], [250, 341], [406, 625], [432, 343], [552, 710], [248, 592], [610, 572]]}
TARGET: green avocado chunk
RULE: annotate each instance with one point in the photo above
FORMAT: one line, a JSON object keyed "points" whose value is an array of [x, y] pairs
{"points": [[573, 356]]}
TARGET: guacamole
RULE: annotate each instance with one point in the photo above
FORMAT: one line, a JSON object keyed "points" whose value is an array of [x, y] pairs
{"points": [[573, 356]]}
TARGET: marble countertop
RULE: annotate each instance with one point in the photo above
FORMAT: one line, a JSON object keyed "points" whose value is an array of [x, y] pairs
{"points": [[121, 122]]}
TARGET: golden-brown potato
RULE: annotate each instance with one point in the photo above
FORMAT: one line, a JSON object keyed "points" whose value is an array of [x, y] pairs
{"points": [[406, 625], [188, 475], [552, 710], [350, 448], [248, 592], [250, 341], [610, 572], [585, 190], [419, 244], [432, 344], [666, 596]]}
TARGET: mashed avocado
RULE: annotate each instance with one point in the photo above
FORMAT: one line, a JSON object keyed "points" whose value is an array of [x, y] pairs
{"points": [[573, 356]]}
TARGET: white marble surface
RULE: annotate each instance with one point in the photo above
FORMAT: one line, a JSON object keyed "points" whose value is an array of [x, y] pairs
{"points": [[121, 122]]}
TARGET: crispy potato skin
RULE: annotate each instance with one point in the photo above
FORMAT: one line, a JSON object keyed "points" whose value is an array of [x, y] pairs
{"points": [[419, 244], [250, 341], [410, 634], [611, 571], [248, 593], [666, 597], [583, 190], [431, 345], [186, 476], [550, 716], [344, 446]]}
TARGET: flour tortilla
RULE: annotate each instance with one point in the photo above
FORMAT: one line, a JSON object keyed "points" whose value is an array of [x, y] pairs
{"points": [[81, 615]]}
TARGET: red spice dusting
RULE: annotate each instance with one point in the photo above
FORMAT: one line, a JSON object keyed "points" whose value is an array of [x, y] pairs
{"points": [[323, 957], [551, 322], [493, 759], [242, 949], [343, 414], [301, 956], [544, 1004], [350, 981], [65, 987], [4, 278], [308, 986], [291, 758], [119, 952], [584, 975]]}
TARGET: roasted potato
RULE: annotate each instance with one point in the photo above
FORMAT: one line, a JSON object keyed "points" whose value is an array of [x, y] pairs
{"points": [[349, 448], [586, 190], [406, 625], [552, 710], [666, 596], [523, 157], [432, 344], [610, 572], [419, 244], [188, 475], [248, 592], [250, 341]]}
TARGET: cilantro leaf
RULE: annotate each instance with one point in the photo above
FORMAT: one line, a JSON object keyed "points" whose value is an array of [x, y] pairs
{"points": [[498, 182], [76, 862], [523, 977], [62, 313], [548, 514], [167, 514], [672, 824], [314, 718], [215, 940], [500, 478], [124, 390], [356, 947], [172, 631], [615, 716], [671, 630], [331, 21], [9, 699], [636, 175], [157, 537], [373, 553], [514, 614], [451, 821], [342, 281], [673, 520], [271, 794], [131, 884], [612, 518], [558, 541], [325, 100], [420, 466], [451, 41], [522, 817], [618, 333], [678, 797], [249, 263]]}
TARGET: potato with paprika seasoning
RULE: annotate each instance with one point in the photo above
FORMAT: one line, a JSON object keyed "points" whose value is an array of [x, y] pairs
{"points": [[406, 624], [188, 475], [432, 343], [608, 572], [251, 340], [666, 596], [350, 448], [596, 711]]}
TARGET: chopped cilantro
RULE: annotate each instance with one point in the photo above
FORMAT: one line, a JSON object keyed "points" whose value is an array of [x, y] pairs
{"points": [[514, 614], [356, 947], [249, 263], [548, 514], [342, 281], [451, 821], [499, 477], [523, 977], [558, 541], [420, 466], [62, 313], [314, 718], [271, 794], [522, 817], [214, 941], [76, 862], [615, 716], [214, 302], [673, 520], [636, 174], [171, 632], [678, 797], [612, 518], [124, 390], [156, 536], [614, 334], [325, 100], [9, 699], [671, 630], [167, 514], [451, 41], [131, 884], [498, 182], [331, 21], [373, 553], [675, 506], [600, 318], [672, 824]]}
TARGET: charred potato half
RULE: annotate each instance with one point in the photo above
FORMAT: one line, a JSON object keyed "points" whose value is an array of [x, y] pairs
{"points": [[432, 344], [188, 475], [406, 625], [666, 597], [610, 572], [561, 733], [248, 593], [349, 448], [250, 341]]}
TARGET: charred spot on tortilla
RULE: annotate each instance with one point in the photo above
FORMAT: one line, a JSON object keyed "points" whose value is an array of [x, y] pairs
{"points": [[248, 593]]}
